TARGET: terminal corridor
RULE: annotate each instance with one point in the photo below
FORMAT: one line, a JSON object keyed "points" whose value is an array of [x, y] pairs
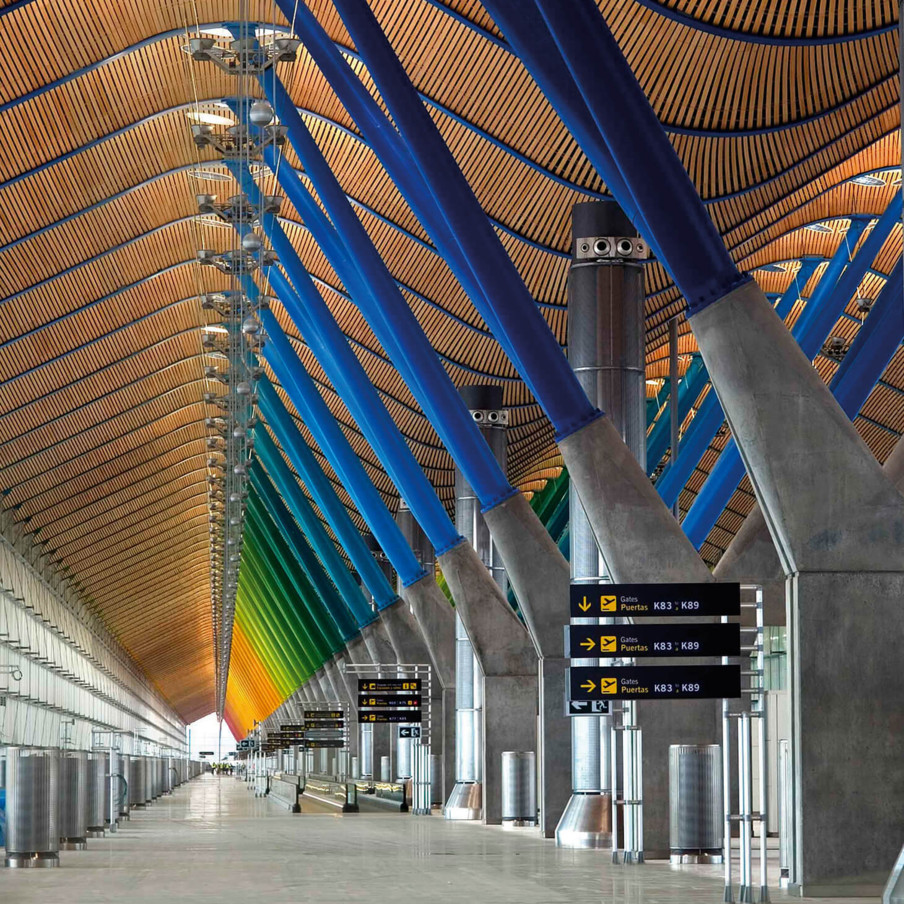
{"points": [[450, 450]]}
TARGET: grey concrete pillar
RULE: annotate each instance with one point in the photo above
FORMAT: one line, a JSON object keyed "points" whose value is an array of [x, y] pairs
{"points": [[507, 660], [411, 649], [751, 557], [317, 685], [382, 652], [434, 614], [837, 523], [420, 544], [466, 798]]}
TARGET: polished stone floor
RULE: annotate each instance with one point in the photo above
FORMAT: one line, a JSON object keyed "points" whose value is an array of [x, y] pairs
{"points": [[213, 841]]}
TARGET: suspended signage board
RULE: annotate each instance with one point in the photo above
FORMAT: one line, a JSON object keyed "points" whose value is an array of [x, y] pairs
{"points": [[411, 731], [654, 600], [320, 714], [314, 724], [654, 682], [639, 641], [336, 744], [388, 717], [389, 685], [389, 700]]}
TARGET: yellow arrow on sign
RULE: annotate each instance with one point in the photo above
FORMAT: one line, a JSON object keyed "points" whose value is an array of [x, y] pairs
{"points": [[588, 685], [585, 605], [588, 644]]}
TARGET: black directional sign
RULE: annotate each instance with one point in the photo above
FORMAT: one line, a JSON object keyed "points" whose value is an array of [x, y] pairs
{"points": [[384, 717], [389, 700], [314, 724], [654, 682], [654, 600], [327, 744], [587, 708], [322, 714], [410, 731], [638, 641], [389, 685]]}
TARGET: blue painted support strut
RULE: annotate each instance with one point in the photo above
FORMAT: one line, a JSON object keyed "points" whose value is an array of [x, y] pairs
{"points": [[873, 348], [527, 33], [378, 297], [695, 378], [327, 501], [694, 443], [504, 301], [821, 313], [300, 507], [710, 416], [789, 298], [345, 462], [313, 318], [333, 603], [817, 320], [679, 227], [389, 147]]}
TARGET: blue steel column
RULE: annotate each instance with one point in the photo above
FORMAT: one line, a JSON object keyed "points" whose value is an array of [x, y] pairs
{"points": [[429, 606]]}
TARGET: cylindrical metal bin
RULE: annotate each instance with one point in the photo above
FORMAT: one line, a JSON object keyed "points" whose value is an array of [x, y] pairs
{"points": [[98, 794], [436, 780], [519, 788], [32, 807], [138, 770], [695, 803], [73, 800], [403, 757]]}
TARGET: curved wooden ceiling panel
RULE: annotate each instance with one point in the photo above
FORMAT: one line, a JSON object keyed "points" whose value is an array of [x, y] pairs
{"points": [[773, 110]]}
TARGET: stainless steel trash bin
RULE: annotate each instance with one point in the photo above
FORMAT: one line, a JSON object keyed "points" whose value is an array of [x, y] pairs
{"points": [[73, 800], [98, 794], [519, 788], [32, 807], [695, 803]]}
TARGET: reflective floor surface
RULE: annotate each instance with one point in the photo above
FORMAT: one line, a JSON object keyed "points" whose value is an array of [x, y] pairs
{"points": [[214, 841]]}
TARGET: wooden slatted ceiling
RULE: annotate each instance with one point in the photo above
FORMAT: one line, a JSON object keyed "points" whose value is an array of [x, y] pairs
{"points": [[101, 440], [789, 19]]}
